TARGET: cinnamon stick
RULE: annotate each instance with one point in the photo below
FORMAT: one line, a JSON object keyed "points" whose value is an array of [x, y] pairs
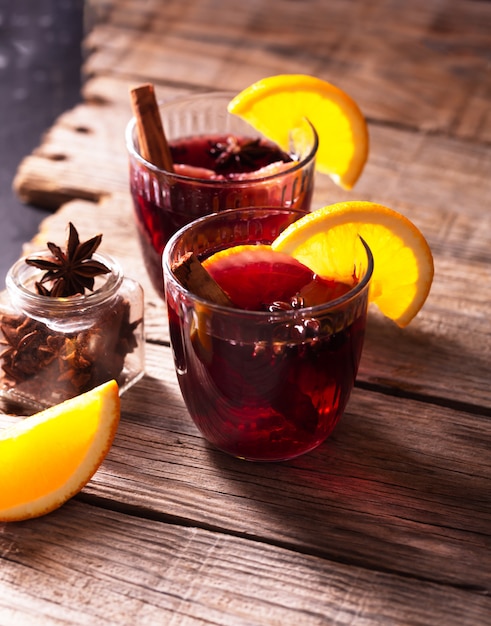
{"points": [[194, 277], [151, 136]]}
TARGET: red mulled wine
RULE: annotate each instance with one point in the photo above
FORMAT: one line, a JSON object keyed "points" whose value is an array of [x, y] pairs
{"points": [[270, 379], [212, 172]]}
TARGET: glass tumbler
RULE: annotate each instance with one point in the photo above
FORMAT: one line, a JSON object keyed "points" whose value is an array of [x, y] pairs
{"points": [[166, 201], [263, 386]]}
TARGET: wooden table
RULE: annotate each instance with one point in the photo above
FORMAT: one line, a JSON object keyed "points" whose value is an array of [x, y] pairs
{"points": [[388, 522]]}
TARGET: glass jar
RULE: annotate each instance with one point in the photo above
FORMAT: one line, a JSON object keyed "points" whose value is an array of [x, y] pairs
{"points": [[52, 349]]}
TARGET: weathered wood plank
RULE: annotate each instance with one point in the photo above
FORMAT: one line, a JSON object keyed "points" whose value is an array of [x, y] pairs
{"points": [[401, 486], [390, 520], [420, 64], [84, 156], [445, 352], [120, 569]]}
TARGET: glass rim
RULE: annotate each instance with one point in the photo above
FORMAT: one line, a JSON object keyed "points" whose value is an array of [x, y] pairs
{"points": [[132, 150], [270, 316]]}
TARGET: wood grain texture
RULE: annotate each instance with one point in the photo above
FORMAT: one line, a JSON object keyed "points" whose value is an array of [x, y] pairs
{"points": [[84, 156], [445, 354], [401, 486], [132, 571], [421, 64], [416, 66], [388, 522]]}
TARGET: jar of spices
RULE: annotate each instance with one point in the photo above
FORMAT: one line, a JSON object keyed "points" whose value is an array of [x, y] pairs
{"points": [[56, 347]]}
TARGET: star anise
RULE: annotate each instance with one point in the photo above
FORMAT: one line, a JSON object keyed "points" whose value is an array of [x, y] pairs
{"points": [[238, 155], [26, 346], [46, 366], [72, 271]]}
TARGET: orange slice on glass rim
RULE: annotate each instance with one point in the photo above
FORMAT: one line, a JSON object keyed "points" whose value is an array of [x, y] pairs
{"points": [[325, 241], [275, 105], [47, 458]]}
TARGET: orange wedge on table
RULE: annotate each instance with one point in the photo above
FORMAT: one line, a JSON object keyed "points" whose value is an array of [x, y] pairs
{"points": [[47, 458], [325, 241], [277, 104]]}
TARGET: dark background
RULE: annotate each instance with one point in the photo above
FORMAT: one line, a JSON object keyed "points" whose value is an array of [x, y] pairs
{"points": [[40, 75]]}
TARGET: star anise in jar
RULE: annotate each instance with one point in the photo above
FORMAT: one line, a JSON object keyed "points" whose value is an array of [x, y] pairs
{"points": [[72, 271]]}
